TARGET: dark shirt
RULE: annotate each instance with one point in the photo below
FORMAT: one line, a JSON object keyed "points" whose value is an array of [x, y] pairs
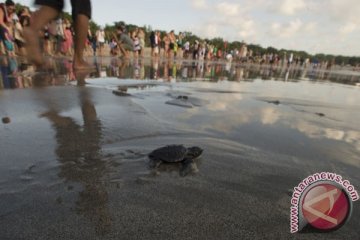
{"points": [[125, 39], [152, 39]]}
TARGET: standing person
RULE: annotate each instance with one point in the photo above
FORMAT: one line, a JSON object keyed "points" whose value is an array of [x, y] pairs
{"points": [[137, 46], [157, 43], [46, 36], [50, 9], [172, 45], [7, 10], [113, 47], [243, 53], [219, 54], [196, 50], [290, 60], [100, 38], [141, 36], [9, 42], [179, 42], [68, 39], [284, 60], [59, 36], [186, 49], [215, 49], [93, 43], [166, 42], [24, 21], [18, 36], [152, 42], [134, 33]]}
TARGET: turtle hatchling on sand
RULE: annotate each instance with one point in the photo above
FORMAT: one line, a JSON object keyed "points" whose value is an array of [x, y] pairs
{"points": [[175, 154]]}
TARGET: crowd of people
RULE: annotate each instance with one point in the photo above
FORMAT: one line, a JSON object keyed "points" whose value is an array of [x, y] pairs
{"points": [[11, 28], [56, 36], [57, 39]]}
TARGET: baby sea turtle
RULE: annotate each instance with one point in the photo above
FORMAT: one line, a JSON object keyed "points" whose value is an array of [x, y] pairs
{"points": [[186, 101], [276, 102], [175, 154], [5, 120]]}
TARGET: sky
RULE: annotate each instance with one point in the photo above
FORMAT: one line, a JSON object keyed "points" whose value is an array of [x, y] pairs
{"points": [[315, 26]]}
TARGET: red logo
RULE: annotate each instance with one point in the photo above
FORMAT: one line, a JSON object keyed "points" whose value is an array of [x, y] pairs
{"points": [[326, 207]]}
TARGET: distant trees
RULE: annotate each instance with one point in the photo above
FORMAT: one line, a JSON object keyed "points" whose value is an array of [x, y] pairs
{"points": [[189, 36]]}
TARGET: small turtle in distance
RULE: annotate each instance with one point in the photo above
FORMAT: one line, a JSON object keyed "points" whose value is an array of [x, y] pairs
{"points": [[5, 120], [175, 154], [276, 102]]}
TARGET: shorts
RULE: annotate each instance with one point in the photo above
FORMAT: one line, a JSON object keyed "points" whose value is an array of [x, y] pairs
{"points": [[172, 46], [82, 7], [127, 47], [137, 48], [9, 46], [142, 43], [19, 43]]}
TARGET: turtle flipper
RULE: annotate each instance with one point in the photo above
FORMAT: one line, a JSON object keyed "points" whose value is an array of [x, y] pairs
{"points": [[154, 163], [188, 166]]}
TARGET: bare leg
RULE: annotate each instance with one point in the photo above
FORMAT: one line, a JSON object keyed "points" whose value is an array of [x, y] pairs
{"points": [[81, 30], [31, 34]]}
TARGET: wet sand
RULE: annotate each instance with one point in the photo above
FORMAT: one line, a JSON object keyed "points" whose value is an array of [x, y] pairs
{"points": [[74, 159]]}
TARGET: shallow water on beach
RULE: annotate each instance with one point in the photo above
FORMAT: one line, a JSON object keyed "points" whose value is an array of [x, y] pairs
{"points": [[73, 160]]}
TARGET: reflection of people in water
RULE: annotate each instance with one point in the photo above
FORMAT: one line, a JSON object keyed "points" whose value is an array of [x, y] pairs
{"points": [[154, 70], [4, 68], [69, 70], [137, 68], [79, 153], [166, 71], [9, 73], [170, 70], [113, 70]]}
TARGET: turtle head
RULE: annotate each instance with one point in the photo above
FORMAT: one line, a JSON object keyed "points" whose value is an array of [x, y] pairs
{"points": [[194, 152]]}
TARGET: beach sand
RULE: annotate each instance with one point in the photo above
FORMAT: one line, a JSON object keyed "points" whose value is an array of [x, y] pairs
{"points": [[74, 160]]}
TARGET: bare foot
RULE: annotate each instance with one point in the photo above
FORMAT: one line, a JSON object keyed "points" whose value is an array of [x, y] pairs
{"points": [[33, 47], [80, 77], [83, 66]]}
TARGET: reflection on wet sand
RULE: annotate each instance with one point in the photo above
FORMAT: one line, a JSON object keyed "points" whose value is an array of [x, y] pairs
{"points": [[256, 122], [79, 153], [18, 74]]}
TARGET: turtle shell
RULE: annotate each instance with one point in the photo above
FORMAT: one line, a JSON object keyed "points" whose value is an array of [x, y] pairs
{"points": [[170, 153]]}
